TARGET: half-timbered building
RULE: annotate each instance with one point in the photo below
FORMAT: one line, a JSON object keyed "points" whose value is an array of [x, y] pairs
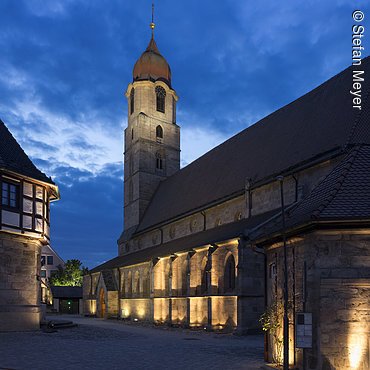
{"points": [[25, 197]]}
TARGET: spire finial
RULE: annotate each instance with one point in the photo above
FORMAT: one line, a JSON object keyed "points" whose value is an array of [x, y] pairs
{"points": [[152, 25]]}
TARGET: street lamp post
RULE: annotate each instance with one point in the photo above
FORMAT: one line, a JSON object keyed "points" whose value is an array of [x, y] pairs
{"points": [[285, 319]]}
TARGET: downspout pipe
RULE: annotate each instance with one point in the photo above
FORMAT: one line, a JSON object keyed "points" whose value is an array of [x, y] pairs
{"points": [[285, 318], [261, 251]]}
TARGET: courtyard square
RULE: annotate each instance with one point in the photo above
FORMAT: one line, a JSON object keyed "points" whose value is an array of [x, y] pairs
{"points": [[110, 344]]}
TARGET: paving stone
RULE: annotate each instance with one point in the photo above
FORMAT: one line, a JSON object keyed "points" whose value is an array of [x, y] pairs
{"points": [[110, 344]]}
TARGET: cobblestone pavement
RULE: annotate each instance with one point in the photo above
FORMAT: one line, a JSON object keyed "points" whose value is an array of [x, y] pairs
{"points": [[108, 344]]}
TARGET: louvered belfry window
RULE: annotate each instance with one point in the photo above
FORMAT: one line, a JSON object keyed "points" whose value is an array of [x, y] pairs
{"points": [[160, 93], [159, 132]]}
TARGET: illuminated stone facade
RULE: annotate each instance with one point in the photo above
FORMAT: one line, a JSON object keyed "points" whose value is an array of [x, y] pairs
{"points": [[328, 277], [202, 245], [328, 262]]}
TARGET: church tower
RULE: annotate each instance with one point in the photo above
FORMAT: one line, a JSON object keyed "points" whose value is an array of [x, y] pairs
{"points": [[152, 137]]}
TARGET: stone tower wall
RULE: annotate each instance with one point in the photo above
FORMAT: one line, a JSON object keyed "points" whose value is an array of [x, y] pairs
{"points": [[142, 147], [19, 283]]}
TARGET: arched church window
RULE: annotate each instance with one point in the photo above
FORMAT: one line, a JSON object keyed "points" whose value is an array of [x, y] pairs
{"points": [[160, 93], [146, 283], [159, 161], [132, 101], [159, 132], [229, 274], [123, 285], [129, 284], [184, 278], [136, 285], [204, 277], [204, 282]]}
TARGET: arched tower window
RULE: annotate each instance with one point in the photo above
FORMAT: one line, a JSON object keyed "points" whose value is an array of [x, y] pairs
{"points": [[160, 93], [229, 274], [159, 161], [159, 132], [132, 101], [173, 110]]}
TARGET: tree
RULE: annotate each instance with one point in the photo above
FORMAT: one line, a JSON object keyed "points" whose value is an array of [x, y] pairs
{"points": [[70, 275], [271, 321]]}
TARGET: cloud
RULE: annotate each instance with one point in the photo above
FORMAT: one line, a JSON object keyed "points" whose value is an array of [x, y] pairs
{"points": [[48, 8], [66, 63], [88, 219], [86, 143]]}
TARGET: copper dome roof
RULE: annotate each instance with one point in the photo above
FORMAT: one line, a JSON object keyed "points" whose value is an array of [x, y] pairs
{"points": [[152, 65]]}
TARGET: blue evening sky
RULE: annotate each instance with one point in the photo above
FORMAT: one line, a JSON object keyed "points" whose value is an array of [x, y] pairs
{"points": [[65, 65]]}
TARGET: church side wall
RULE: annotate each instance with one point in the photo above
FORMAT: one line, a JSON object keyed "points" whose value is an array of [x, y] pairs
{"points": [[180, 297], [263, 199], [329, 278], [186, 289]]}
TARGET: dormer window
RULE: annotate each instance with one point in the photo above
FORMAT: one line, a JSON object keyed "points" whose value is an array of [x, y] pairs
{"points": [[10, 195], [132, 101], [159, 132], [160, 93]]}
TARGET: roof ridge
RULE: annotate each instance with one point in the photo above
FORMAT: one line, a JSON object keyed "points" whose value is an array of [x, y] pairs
{"points": [[339, 182], [259, 122]]}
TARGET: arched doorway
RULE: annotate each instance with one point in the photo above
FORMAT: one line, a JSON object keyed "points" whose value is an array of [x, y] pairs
{"points": [[102, 303]]}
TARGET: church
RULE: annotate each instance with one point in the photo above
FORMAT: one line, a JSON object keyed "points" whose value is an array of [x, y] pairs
{"points": [[202, 246]]}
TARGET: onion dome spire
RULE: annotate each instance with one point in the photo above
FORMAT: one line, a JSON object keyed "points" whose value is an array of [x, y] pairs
{"points": [[152, 65]]}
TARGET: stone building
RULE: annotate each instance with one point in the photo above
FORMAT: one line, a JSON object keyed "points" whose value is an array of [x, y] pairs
{"points": [[26, 194], [201, 245], [50, 261]]}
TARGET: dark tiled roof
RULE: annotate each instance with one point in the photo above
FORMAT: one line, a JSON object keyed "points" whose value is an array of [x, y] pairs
{"points": [[13, 158], [217, 234], [322, 121], [344, 195], [66, 291]]}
